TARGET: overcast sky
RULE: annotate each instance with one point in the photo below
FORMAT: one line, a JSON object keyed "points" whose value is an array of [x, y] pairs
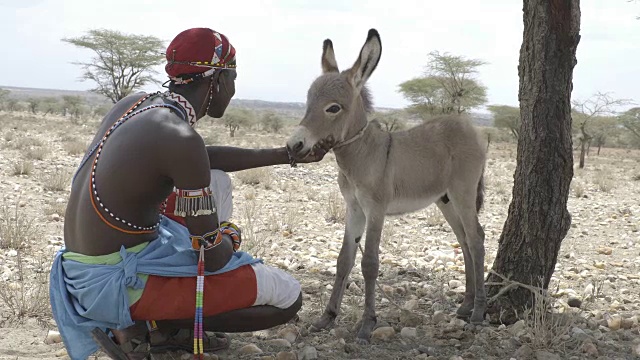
{"points": [[279, 43]]}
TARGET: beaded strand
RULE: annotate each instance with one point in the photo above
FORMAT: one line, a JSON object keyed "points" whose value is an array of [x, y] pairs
{"points": [[198, 332]]}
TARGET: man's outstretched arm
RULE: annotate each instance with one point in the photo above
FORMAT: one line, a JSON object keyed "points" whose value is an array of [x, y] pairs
{"points": [[230, 159]]}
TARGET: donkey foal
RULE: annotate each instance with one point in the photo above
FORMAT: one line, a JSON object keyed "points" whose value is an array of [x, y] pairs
{"points": [[382, 173]]}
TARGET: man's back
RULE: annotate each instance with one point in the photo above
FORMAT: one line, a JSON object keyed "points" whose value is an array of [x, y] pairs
{"points": [[130, 179]]}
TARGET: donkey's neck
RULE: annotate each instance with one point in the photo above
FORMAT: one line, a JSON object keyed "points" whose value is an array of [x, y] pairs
{"points": [[361, 152]]}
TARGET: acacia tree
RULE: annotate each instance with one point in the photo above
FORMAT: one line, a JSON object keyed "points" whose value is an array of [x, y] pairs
{"points": [[506, 117], [390, 121], [447, 86], [122, 63], [631, 121], [584, 113], [538, 219], [234, 119]]}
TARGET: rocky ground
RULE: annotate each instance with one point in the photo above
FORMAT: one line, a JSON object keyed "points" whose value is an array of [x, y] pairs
{"points": [[293, 219]]}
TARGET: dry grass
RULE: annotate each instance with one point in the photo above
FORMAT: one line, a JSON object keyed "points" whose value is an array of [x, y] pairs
{"points": [[546, 328], [335, 210], [37, 153], [22, 167], [16, 227], [27, 295], [55, 208], [256, 176], [24, 143], [75, 147], [57, 180], [251, 242], [578, 189], [604, 183]]}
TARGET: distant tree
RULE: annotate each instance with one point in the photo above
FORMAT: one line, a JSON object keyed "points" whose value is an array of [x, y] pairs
{"points": [[4, 96], [122, 63], [73, 106], [506, 117], [234, 119], [448, 86], [601, 128], [631, 121], [34, 104], [390, 121], [100, 111], [51, 105], [585, 111], [272, 122], [12, 104]]}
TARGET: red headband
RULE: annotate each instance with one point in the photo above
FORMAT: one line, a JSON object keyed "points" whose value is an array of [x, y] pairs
{"points": [[195, 49]]}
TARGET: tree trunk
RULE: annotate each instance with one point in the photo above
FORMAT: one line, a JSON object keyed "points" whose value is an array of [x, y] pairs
{"points": [[599, 146], [582, 152], [538, 219]]}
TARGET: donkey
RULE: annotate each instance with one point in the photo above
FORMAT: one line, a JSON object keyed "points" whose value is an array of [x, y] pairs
{"points": [[383, 173]]}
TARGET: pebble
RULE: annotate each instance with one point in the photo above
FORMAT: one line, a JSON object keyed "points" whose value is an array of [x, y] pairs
{"points": [[613, 322], [438, 317], [279, 343], [574, 302], [289, 333], [411, 305], [589, 348], [636, 349], [454, 284], [545, 355], [61, 353], [53, 337], [383, 333], [250, 349], [605, 250], [340, 332], [286, 355], [308, 353], [409, 333], [524, 352]]}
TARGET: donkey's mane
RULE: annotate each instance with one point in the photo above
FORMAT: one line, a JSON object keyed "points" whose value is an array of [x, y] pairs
{"points": [[365, 94]]}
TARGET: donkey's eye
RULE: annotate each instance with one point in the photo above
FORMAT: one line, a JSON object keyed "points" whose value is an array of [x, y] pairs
{"points": [[333, 109]]}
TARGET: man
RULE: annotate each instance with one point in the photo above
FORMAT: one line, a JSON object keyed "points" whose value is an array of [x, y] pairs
{"points": [[127, 270]]}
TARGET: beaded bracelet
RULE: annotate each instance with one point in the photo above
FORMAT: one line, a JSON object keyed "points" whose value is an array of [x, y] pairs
{"points": [[214, 238]]}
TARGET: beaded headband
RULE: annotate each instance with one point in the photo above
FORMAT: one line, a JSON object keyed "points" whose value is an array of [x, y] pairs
{"points": [[180, 80]]}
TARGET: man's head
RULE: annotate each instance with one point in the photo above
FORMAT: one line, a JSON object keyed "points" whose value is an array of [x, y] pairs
{"points": [[204, 61]]}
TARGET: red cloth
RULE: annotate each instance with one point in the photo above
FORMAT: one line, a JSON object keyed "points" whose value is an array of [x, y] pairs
{"points": [[198, 44], [173, 298]]}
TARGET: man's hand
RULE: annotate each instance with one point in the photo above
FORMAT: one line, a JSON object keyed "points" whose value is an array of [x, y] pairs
{"points": [[318, 151]]}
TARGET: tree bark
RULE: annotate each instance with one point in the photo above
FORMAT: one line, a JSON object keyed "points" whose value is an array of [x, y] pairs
{"points": [[538, 219], [582, 152]]}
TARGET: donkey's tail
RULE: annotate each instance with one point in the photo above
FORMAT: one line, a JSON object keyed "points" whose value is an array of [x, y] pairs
{"points": [[480, 193]]}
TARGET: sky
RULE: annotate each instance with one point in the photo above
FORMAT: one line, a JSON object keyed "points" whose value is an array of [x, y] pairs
{"points": [[279, 43]]}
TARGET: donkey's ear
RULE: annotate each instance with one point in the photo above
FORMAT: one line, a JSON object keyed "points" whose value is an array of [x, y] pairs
{"points": [[329, 63], [368, 59]]}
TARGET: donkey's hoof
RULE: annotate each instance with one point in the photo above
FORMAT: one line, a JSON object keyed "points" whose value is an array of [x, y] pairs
{"points": [[361, 341], [325, 322], [477, 318]]}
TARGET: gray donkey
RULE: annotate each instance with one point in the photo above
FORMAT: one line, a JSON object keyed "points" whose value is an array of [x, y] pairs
{"points": [[383, 173]]}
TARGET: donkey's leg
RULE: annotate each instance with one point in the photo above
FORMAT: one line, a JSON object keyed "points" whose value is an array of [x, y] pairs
{"points": [[464, 202], [454, 221], [355, 220], [370, 265]]}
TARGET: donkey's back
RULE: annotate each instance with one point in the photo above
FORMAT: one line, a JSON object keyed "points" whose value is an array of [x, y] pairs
{"points": [[424, 161]]}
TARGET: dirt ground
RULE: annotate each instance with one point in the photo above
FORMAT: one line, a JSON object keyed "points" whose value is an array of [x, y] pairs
{"points": [[293, 219]]}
